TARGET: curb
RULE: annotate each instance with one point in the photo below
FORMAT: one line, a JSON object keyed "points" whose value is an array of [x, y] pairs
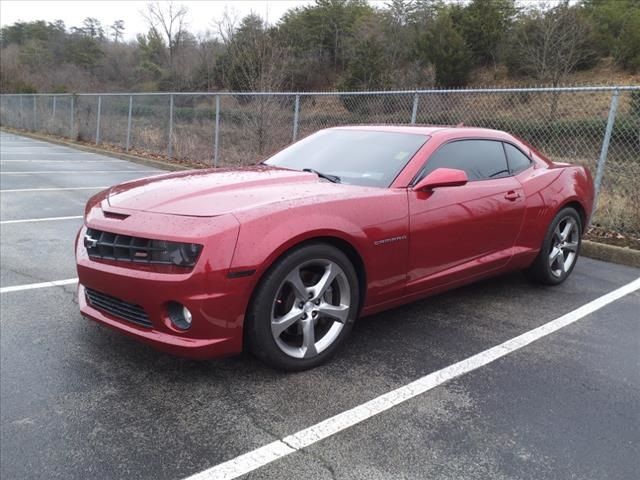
{"points": [[107, 153], [611, 253]]}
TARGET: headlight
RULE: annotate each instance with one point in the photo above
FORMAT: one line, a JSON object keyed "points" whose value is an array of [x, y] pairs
{"points": [[115, 246], [180, 254]]}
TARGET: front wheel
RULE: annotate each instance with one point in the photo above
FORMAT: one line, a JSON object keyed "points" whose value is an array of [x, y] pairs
{"points": [[560, 249], [303, 308]]}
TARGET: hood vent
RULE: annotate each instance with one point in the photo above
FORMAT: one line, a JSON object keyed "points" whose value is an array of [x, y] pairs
{"points": [[114, 216]]}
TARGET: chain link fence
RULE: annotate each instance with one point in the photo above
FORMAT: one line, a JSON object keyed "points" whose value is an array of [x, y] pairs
{"points": [[594, 126]]}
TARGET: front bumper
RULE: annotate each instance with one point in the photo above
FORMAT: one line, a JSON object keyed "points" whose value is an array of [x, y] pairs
{"points": [[216, 342], [216, 302]]}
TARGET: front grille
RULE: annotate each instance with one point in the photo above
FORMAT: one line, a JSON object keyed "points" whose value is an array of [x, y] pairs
{"points": [[113, 246], [118, 308]]}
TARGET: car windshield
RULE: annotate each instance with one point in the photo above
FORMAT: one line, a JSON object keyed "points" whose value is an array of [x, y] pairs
{"points": [[357, 157]]}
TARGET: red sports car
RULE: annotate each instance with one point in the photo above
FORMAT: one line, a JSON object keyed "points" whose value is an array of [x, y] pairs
{"points": [[282, 257]]}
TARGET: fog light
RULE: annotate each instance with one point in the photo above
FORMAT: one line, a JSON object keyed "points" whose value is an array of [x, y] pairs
{"points": [[180, 315]]}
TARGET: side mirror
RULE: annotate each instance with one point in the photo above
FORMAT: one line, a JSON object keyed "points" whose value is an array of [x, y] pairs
{"points": [[442, 177]]}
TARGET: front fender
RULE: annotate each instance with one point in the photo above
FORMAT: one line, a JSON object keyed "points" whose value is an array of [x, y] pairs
{"points": [[363, 223], [263, 241]]}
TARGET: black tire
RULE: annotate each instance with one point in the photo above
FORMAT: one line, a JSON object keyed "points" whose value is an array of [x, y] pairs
{"points": [[258, 334], [541, 271]]}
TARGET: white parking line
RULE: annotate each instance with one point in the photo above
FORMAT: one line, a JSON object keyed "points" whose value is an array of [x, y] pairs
{"points": [[79, 171], [49, 219], [10, 151], [255, 459], [15, 190], [32, 286], [63, 161], [27, 148]]}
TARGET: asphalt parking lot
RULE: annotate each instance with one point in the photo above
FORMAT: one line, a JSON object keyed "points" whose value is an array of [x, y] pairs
{"points": [[79, 401]]}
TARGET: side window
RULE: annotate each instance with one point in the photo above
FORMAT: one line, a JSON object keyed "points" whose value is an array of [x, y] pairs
{"points": [[518, 161], [480, 159]]}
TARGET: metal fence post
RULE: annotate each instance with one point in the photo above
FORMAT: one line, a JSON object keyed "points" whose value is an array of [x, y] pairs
{"points": [[21, 118], [129, 122], [71, 116], [414, 110], [53, 113], [35, 115], [613, 109], [170, 148], [296, 114], [98, 120], [216, 133]]}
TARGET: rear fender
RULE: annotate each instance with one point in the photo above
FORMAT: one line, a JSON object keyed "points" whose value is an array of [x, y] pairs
{"points": [[548, 193]]}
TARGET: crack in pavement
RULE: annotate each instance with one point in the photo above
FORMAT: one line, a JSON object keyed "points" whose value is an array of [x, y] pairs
{"points": [[319, 459]]}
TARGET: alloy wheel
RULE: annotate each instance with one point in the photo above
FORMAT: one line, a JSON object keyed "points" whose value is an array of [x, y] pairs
{"points": [[310, 308], [564, 246]]}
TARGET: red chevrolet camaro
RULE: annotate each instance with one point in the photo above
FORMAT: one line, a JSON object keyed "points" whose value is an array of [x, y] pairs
{"points": [[282, 257]]}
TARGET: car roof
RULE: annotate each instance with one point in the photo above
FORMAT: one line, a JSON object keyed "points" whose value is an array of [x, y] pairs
{"points": [[431, 130]]}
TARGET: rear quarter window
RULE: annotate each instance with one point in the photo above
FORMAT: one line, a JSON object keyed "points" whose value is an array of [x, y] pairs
{"points": [[517, 160]]}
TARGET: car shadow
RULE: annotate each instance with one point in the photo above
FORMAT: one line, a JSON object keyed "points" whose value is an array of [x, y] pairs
{"points": [[403, 341]]}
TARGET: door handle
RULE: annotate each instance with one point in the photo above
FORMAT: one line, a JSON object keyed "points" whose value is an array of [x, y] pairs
{"points": [[512, 195]]}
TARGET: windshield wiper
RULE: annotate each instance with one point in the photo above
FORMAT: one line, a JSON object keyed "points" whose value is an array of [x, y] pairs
{"points": [[326, 176]]}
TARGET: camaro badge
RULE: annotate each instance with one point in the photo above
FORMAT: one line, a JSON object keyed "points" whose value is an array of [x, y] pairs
{"points": [[390, 240], [90, 242]]}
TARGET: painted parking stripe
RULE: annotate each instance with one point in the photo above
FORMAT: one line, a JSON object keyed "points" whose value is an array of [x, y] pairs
{"points": [[62, 161], [32, 286], [43, 172], [25, 149], [13, 151], [24, 155], [16, 190], [266, 454], [30, 220]]}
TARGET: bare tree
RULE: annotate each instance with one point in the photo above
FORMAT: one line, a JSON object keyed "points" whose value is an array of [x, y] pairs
{"points": [[254, 61], [11, 68], [209, 51], [169, 20], [397, 31], [554, 43], [550, 44]]}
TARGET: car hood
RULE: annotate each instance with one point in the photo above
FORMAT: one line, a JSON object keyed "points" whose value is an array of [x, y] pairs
{"points": [[208, 193]]}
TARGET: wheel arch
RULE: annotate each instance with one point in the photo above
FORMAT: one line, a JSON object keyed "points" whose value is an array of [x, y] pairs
{"points": [[341, 244], [578, 207], [354, 257]]}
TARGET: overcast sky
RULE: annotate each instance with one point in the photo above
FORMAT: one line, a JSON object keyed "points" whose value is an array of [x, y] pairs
{"points": [[200, 16]]}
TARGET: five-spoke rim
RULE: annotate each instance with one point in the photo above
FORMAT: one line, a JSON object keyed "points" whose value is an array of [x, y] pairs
{"points": [[310, 308], [564, 246]]}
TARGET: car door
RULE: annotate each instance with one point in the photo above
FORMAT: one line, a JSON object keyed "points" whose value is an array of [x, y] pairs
{"points": [[464, 231]]}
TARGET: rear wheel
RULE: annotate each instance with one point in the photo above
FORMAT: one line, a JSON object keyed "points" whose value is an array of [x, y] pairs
{"points": [[303, 308], [560, 249]]}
